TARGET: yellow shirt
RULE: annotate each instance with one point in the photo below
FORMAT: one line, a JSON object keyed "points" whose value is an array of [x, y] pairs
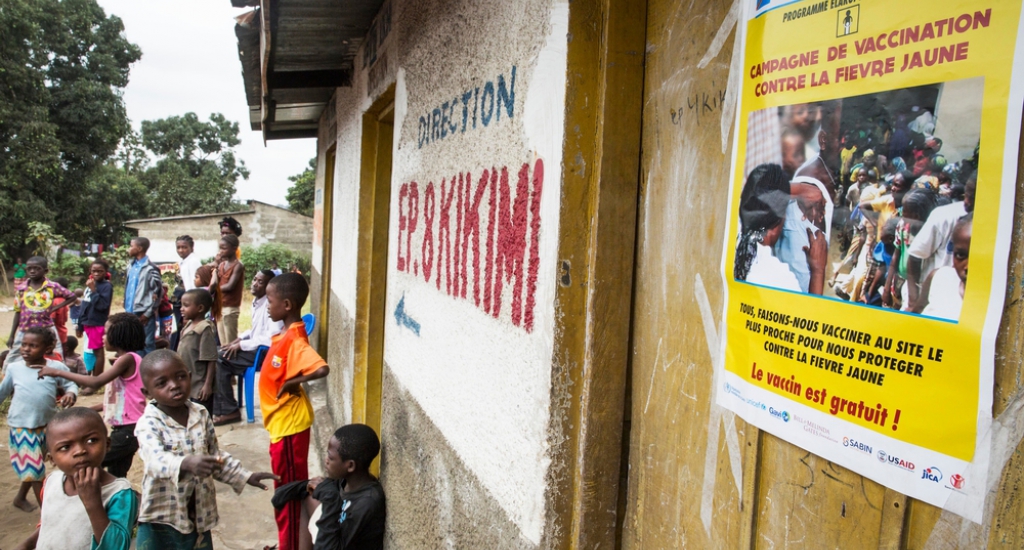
{"points": [[290, 355]]}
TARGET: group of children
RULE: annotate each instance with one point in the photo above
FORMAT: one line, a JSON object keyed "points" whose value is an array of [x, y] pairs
{"points": [[908, 236], [158, 403]]}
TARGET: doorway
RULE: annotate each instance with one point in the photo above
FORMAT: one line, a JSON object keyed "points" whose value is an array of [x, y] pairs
{"points": [[371, 282], [324, 307]]}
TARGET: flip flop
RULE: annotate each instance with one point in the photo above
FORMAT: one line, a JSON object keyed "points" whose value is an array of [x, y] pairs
{"points": [[222, 421]]}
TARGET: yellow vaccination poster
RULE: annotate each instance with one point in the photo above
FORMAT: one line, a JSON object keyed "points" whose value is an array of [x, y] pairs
{"points": [[869, 227]]}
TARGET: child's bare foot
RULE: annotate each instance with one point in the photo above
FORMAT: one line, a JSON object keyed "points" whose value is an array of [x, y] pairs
{"points": [[24, 505]]}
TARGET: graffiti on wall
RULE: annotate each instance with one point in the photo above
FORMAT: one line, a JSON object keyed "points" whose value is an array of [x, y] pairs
{"points": [[474, 108], [476, 237]]}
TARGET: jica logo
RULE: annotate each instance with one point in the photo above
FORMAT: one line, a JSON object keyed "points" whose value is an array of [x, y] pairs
{"points": [[779, 414], [932, 474]]}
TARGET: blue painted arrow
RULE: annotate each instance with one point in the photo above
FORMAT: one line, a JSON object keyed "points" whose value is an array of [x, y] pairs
{"points": [[403, 319]]}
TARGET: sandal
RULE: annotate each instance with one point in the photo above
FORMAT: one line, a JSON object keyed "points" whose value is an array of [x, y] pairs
{"points": [[224, 420]]}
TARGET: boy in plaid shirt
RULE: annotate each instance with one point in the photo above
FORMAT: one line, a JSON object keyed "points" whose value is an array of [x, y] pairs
{"points": [[178, 444]]}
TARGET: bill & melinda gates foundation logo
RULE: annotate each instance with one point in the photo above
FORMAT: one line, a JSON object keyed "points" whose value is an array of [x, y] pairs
{"points": [[892, 460]]}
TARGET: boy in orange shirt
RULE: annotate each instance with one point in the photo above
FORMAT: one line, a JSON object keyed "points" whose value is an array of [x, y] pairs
{"points": [[287, 411]]}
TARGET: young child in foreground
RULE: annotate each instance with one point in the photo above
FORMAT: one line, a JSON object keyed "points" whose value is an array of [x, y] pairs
{"points": [[287, 411], [351, 499], [33, 405], [123, 401], [84, 507], [178, 444]]}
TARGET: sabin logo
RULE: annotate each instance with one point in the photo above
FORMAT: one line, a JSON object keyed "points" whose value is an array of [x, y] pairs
{"points": [[853, 443]]}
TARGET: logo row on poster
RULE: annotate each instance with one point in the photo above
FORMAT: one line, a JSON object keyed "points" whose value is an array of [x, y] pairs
{"points": [[932, 474]]}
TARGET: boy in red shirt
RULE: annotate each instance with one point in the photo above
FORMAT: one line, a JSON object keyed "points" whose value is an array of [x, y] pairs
{"points": [[287, 411]]}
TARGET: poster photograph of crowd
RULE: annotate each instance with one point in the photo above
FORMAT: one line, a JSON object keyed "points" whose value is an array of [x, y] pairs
{"points": [[866, 199]]}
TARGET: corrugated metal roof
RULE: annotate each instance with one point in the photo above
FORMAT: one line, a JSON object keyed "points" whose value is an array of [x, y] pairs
{"points": [[308, 49]]}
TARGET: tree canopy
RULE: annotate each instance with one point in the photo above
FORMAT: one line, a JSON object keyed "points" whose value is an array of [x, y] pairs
{"points": [[302, 193], [69, 158], [63, 65], [196, 170]]}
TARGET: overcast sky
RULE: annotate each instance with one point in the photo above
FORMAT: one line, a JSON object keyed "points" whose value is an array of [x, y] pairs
{"points": [[190, 63]]}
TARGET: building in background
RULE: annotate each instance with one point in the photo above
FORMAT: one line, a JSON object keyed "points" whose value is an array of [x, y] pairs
{"points": [[262, 223]]}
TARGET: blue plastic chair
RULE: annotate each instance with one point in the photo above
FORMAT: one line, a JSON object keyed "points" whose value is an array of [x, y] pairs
{"points": [[248, 380], [248, 383]]}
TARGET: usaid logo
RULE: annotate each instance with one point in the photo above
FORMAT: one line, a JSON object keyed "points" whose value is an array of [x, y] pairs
{"points": [[779, 414], [898, 462], [857, 445], [932, 474], [882, 457]]}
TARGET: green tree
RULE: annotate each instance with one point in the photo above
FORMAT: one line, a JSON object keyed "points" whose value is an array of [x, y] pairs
{"points": [[196, 170], [63, 64], [113, 195], [303, 190], [43, 240]]}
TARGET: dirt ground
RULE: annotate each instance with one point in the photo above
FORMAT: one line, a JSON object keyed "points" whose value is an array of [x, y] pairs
{"points": [[246, 520]]}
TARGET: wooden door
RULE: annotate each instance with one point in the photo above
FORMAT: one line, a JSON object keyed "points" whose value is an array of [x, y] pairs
{"points": [[698, 477]]}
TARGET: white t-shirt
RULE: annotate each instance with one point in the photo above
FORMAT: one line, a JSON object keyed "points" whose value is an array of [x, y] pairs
{"points": [[944, 299], [187, 269], [767, 270], [933, 240], [64, 522]]}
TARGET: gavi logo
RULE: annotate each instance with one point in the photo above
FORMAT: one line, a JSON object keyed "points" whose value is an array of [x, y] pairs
{"points": [[779, 414]]}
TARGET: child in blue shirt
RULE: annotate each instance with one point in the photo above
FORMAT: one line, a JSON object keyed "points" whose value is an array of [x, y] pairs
{"points": [[33, 405]]}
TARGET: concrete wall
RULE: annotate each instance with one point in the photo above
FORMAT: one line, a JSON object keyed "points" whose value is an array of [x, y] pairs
{"points": [[264, 223], [479, 91]]}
